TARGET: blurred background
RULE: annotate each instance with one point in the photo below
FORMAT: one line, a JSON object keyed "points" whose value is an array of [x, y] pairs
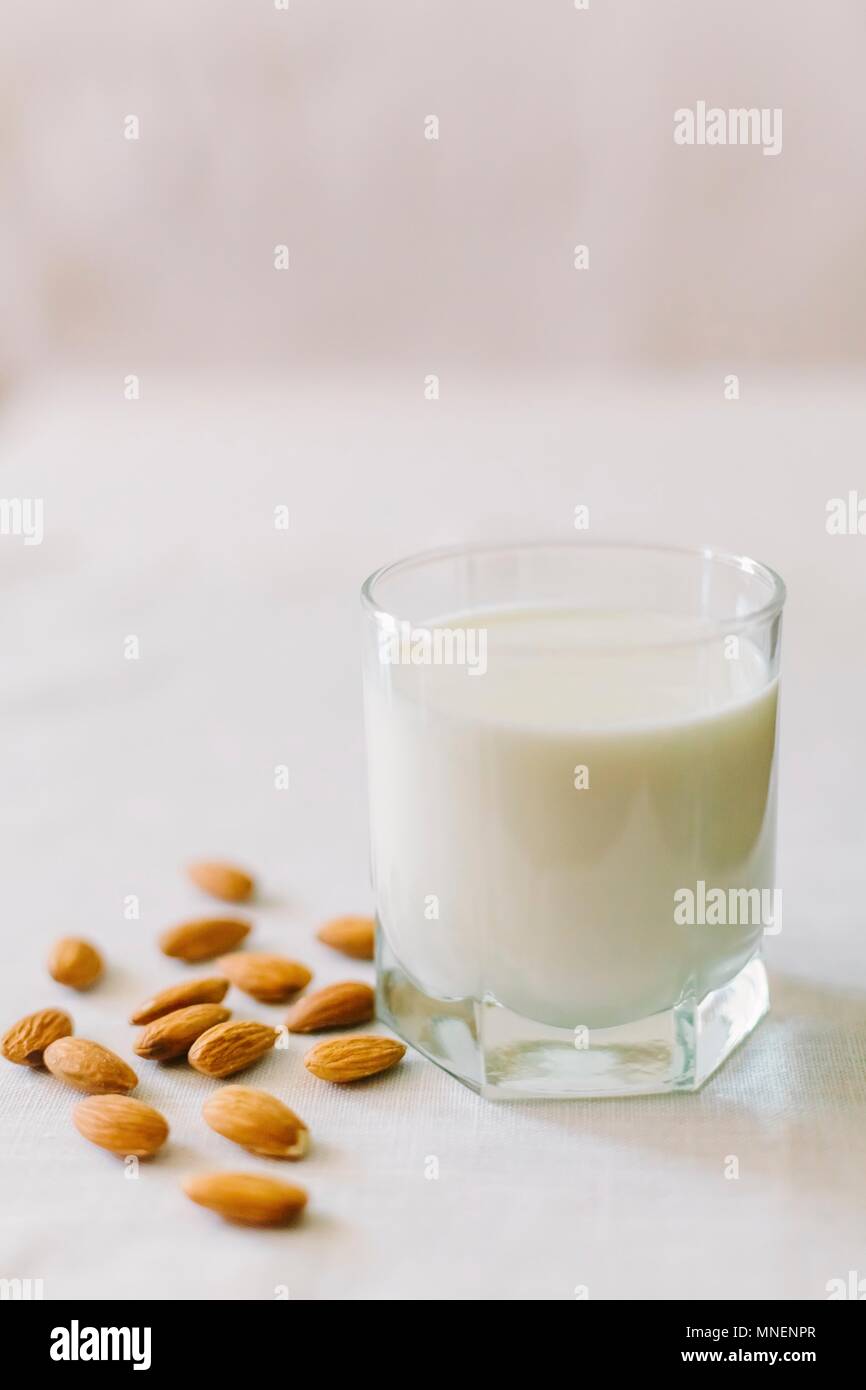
{"points": [[261, 126], [166, 387]]}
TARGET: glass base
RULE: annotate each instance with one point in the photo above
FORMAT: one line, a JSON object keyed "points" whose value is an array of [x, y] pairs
{"points": [[506, 1057]]}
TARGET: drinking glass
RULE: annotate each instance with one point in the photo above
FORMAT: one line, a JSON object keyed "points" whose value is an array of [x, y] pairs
{"points": [[572, 754]]}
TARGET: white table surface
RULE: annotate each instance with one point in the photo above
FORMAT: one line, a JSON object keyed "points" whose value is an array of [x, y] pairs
{"points": [[158, 523]]}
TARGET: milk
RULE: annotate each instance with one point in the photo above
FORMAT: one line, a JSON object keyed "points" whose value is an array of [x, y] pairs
{"points": [[532, 824]]}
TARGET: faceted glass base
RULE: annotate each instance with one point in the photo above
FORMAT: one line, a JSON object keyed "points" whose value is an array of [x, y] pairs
{"points": [[506, 1057]]}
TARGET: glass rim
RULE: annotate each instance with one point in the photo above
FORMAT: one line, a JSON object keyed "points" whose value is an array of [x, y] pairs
{"points": [[744, 563]]}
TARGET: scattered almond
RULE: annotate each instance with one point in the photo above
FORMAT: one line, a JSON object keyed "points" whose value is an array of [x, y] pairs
{"points": [[354, 936], [271, 979], [229, 1047], [352, 1059], [122, 1125], [174, 1034], [74, 962], [247, 1198], [257, 1121], [203, 938], [27, 1039], [221, 880], [210, 991], [336, 1006], [88, 1066]]}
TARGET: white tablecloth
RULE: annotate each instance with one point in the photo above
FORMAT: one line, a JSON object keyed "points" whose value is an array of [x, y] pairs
{"points": [[159, 524]]}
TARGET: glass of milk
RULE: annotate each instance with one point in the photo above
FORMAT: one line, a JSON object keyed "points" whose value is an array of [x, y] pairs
{"points": [[572, 778]]}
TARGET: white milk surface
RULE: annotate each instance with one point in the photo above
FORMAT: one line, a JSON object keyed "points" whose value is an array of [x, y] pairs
{"points": [[555, 901]]}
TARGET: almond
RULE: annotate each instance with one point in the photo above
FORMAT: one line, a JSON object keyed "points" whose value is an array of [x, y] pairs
{"points": [[74, 962], [354, 936], [209, 991], [204, 938], [352, 1059], [229, 1047], [174, 1034], [272, 979], [221, 880], [122, 1125], [257, 1121], [247, 1198], [335, 1006], [88, 1066], [27, 1039]]}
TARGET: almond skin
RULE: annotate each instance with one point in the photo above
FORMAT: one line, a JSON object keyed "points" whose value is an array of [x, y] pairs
{"points": [[229, 1047], [221, 880], [354, 936], [27, 1039], [257, 1121], [247, 1198], [74, 962], [209, 991], [124, 1126], [336, 1006], [174, 1034], [353, 1059], [271, 979], [203, 938], [88, 1066]]}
